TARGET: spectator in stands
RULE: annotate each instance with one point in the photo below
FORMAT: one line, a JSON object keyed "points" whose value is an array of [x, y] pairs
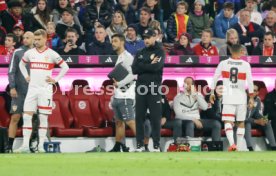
{"points": [[270, 108], [3, 5], [166, 121], [14, 15], [269, 23], [214, 111], [255, 16], [127, 9], [67, 21], [9, 47], [179, 23], [186, 106], [183, 46], [255, 119], [41, 15], [3, 33], [133, 43], [18, 31], [61, 6], [232, 37], [154, 6], [273, 6], [71, 47], [97, 13], [205, 47], [267, 48], [81, 9], [159, 35], [224, 20], [168, 8], [118, 25], [143, 24], [100, 46], [53, 40], [199, 19], [249, 32], [237, 5], [27, 5]]}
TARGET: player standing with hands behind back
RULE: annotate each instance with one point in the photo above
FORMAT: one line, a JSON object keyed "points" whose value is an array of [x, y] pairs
{"points": [[234, 72], [42, 61]]}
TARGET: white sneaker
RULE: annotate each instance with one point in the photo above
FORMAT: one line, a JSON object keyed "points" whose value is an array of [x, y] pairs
{"points": [[140, 149], [41, 150], [156, 149], [22, 149]]}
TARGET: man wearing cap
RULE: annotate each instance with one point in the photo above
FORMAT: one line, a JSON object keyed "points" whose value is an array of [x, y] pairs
{"points": [[148, 65], [18, 31], [14, 15], [133, 44]]}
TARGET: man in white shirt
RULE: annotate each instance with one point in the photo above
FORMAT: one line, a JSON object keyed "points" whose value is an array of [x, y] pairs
{"points": [[122, 101]]}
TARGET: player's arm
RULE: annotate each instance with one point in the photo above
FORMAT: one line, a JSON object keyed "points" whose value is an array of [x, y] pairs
{"points": [[22, 66], [250, 86], [214, 82], [64, 68], [12, 71]]}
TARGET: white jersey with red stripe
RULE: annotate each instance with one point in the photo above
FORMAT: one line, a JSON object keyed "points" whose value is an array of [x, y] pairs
{"points": [[41, 65], [235, 73]]}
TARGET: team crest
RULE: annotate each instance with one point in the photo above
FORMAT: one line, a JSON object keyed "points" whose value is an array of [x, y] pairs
{"points": [[14, 107], [82, 105], [212, 51]]}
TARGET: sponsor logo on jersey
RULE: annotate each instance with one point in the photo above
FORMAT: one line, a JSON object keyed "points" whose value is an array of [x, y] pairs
{"points": [[44, 66], [108, 60]]}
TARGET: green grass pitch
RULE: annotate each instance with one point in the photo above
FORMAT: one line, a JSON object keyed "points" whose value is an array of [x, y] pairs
{"points": [[140, 164]]}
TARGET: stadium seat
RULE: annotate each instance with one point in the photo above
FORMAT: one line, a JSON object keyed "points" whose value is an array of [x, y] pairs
{"points": [[61, 119], [4, 115], [77, 86], [86, 113], [262, 89], [202, 86], [165, 132], [173, 88]]}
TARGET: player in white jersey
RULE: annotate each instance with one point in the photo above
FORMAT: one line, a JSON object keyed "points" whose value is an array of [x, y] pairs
{"points": [[234, 72], [42, 61]]}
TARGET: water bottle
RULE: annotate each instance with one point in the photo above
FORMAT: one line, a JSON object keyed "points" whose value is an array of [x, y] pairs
{"points": [[205, 148]]}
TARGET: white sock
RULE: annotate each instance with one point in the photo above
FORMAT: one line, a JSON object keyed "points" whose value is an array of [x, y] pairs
{"points": [[229, 133], [42, 129], [240, 136], [27, 129]]}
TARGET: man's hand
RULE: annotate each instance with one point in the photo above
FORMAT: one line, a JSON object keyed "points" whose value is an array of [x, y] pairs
{"points": [[68, 47], [212, 98], [198, 124], [163, 121], [115, 83], [251, 103], [261, 122], [50, 80], [155, 60], [28, 79], [13, 93]]}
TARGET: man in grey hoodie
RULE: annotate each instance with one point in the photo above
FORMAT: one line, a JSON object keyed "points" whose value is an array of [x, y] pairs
{"points": [[186, 106]]}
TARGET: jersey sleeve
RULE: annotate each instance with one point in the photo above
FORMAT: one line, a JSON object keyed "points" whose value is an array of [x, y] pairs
{"points": [[26, 57], [216, 76], [57, 58]]}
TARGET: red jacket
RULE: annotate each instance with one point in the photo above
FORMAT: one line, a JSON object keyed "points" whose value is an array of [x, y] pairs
{"points": [[209, 51], [4, 51]]}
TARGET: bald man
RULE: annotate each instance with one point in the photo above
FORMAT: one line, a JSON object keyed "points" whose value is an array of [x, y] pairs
{"points": [[18, 86]]}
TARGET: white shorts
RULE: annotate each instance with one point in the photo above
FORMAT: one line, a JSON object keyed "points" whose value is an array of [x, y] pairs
{"points": [[234, 113], [39, 98]]}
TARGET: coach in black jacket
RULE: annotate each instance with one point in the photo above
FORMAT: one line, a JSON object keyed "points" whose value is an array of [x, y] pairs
{"points": [[148, 65]]}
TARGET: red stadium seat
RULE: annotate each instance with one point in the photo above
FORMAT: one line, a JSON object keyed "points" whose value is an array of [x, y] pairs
{"points": [[78, 86], [61, 119], [165, 132], [4, 115], [173, 88], [262, 89], [202, 86], [85, 110]]}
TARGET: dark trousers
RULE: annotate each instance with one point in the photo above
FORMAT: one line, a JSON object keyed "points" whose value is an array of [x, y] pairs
{"points": [[153, 103]]}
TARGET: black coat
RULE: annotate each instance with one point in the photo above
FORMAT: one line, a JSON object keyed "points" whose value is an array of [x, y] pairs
{"points": [[270, 105], [8, 21], [74, 51], [91, 15], [61, 28], [98, 48], [258, 51]]}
